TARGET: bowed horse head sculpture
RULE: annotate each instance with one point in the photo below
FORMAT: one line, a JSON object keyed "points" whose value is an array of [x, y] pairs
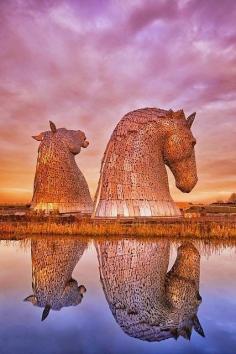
{"points": [[59, 184], [133, 178], [178, 151], [147, 301]]}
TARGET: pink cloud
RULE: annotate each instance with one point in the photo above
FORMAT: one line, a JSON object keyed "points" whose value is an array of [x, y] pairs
{"points": [[85, 64]]}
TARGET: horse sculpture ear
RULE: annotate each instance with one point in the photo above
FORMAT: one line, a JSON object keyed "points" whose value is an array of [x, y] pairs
{"points": [[197, 326], [38, 137], [45, 312], [52, 127], [32, 299], [190, 119]]}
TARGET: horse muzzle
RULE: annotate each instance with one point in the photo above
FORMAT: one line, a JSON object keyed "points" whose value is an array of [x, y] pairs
{"points": [[187, 185], [85, 144]]}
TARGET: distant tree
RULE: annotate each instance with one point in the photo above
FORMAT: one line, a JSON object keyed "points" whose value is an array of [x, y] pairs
{"points": [[232, 198]]}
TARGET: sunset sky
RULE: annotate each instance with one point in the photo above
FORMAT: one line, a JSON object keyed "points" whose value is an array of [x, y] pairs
{"points": [[84, 64]]}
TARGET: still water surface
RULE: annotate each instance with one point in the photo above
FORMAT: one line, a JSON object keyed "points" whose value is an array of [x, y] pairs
{"points": [[142, 296]]}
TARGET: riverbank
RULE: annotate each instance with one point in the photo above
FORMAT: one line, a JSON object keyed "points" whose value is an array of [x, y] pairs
{"points": [[189, 228]]}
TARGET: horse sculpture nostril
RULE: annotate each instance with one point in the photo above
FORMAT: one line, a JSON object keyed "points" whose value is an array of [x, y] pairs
{"points": [[82, 289], [85, 144]]}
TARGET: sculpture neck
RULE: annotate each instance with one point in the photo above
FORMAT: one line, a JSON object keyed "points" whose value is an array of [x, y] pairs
{"points": [[146, 159], [49, 153]]}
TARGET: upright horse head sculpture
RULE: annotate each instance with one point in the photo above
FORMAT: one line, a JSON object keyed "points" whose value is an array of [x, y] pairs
{"points": [[53, 262], [59, 183], [133, 178]]}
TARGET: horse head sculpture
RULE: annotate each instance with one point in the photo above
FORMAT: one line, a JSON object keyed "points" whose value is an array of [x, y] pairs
{"points": [[146, 301], [59, 184], [52, 265], [178, 151], [133, 178]]}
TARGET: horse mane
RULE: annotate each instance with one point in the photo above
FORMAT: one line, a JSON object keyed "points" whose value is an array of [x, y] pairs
{"points": [[134, 120]]}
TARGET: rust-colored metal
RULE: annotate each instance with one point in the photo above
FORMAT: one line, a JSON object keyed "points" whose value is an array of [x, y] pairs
{"points": [[59, 184], [53, 262], [146, 300], [133, 178]]}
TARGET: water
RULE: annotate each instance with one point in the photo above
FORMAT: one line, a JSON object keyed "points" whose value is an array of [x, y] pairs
{"points": [[132, 304]]}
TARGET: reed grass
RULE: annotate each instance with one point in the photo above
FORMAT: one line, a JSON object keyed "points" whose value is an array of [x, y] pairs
{"points": [[184, 228]]}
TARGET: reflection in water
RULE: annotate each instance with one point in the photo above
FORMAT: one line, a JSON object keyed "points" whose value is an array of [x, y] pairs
{"points": [[145, 302], [148, 302], [53, 262]]}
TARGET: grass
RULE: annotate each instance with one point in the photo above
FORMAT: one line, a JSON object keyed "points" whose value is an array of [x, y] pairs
{"points": [[190, 228]]}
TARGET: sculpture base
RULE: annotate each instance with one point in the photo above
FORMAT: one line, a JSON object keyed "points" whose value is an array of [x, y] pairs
{"points": [[135, 208], [62, 208]]}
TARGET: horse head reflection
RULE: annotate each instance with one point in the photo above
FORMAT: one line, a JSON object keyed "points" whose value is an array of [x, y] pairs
{"points": [[53, 262], [146, 300]]}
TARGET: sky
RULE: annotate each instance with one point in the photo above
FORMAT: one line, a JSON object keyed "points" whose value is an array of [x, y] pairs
{"points": [[84, 64]]}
